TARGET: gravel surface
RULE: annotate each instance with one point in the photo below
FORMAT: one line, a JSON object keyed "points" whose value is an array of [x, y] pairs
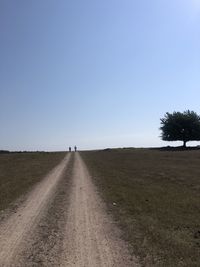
{"points": [[63, 222]]}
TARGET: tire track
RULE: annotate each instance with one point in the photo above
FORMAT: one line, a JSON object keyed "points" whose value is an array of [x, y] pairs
{"points": [[44, 245], [91, 238], [27, 216]]}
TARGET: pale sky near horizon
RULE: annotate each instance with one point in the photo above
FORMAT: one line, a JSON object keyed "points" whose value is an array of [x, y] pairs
{"points": [[95, 73]]}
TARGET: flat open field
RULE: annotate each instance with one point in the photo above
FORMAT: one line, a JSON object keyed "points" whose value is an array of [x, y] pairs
{"points": [[19, 171], [154, 197]]}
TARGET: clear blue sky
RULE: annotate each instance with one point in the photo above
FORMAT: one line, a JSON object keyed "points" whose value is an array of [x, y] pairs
{"points": [[95, 73]]}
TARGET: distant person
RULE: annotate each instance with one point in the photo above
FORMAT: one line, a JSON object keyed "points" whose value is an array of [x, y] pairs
{"points": [[75, 148], [70, 149]]}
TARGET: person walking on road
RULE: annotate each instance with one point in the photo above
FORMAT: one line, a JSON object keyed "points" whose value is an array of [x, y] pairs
{"points": [[75, 148], [70, 149]]}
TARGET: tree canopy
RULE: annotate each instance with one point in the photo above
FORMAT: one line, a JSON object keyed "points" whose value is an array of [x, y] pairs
{"points": [[178, 126]]}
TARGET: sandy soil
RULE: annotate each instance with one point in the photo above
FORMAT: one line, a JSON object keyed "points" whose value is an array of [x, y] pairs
{"points": [[63, 223]]}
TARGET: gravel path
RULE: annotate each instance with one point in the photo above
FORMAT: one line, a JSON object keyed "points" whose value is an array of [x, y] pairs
{"points": [[27, 216], [91, 237], [63, 223]]}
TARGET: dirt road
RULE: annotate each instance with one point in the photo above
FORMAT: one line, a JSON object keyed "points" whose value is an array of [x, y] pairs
{"points": [[63, 223]]}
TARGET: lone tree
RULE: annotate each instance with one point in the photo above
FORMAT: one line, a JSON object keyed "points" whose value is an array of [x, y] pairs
{"points": [[181, 127]]}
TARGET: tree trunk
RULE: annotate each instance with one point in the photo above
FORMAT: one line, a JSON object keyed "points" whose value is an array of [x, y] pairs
{"points": [[184, 143]]}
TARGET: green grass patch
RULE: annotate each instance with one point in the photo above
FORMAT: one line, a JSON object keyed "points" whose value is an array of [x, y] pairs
{"points": [[157, 196], [19, 171]]}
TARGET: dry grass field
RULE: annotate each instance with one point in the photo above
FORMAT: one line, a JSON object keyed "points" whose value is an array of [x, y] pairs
{"points": [[154, 196], [19, 171]]}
